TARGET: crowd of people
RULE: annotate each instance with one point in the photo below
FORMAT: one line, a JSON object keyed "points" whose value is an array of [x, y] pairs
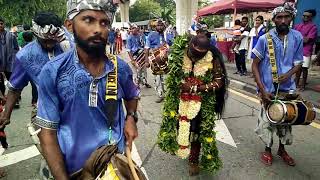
{"points": [[79, 89]]}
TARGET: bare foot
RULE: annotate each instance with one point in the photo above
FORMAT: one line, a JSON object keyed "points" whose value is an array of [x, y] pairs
{"points": [[194, 169], [2, 173]]}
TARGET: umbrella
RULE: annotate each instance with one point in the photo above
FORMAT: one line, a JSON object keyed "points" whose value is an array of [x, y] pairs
{"points": [[239, 6]]}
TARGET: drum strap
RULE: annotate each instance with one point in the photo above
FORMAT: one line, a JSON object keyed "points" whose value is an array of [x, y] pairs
{"points": [[273, 62], [111, 103]]}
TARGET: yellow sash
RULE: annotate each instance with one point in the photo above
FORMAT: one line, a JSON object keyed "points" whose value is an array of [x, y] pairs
{"points": [[112, 81], [273, 62]]}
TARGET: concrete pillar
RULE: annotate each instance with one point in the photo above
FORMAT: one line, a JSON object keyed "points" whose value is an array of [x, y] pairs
{"points": [[124, 11], [186, 9]]}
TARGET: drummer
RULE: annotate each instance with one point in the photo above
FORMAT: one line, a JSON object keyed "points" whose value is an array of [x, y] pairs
{"points": [[155, 40], [134, 45], [288, 47], [74, 116]]}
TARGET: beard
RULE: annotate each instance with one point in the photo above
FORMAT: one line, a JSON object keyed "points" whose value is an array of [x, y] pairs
{"points": [[282, 29], [96, 50]]}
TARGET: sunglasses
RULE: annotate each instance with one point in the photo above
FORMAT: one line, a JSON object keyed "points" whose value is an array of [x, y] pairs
{"points": [[306, 15]]}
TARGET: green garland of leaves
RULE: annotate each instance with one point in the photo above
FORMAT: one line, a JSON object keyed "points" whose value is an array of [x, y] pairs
{"points": [[167, 137]]}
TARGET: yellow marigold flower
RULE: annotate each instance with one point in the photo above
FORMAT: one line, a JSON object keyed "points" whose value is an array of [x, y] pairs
{"points": [[209, 139], [209, 156], [172, 113]]}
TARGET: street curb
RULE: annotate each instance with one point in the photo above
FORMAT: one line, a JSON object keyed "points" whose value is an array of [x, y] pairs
{"points": [[250, 90], [243, 86]]}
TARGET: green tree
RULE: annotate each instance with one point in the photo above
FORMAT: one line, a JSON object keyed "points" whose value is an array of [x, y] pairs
{"points": [[144, 10], [168, 10], [22, 11], [203, 3], [214, 21]]}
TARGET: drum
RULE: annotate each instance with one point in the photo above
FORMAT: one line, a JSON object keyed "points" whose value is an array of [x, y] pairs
{"points": [[118, 169], [139, 58], [295, 112], [159, 60], [106, 163]]}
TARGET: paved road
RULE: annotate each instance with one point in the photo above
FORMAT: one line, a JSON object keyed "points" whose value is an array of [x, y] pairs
{"points": [[241, 162]]}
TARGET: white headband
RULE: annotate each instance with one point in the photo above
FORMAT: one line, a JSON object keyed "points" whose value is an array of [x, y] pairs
{"points": [[74, 7], [48, 32]]}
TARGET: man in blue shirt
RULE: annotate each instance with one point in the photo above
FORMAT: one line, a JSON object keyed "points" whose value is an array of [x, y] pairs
{"points": [[30, 59], [134, 49], [155, 40], [112, 40], [73, 113], [288, 47]]}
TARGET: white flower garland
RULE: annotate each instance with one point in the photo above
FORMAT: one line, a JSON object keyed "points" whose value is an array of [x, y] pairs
{"points": [[190, 108]]}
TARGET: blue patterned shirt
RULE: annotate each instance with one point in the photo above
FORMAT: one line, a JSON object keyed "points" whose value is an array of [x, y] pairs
{"points": [[134, 43], [65, 88], [288, 54], [154, 40], [28, 64]]}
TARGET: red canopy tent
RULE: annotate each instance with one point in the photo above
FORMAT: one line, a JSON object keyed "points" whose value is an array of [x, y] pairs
{"points": [[239, 6]]}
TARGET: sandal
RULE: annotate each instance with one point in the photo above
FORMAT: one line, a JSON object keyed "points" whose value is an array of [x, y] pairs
{"points": [[286, 158], [2, 173], [266, 158]]}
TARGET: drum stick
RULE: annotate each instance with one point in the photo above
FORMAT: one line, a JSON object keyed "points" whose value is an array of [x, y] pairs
{"points": [[131, 165]]}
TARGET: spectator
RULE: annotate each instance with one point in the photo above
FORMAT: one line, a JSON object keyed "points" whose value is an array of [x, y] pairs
{"points": [[244, 45], [21, 41], [255, 33], [118, 42], [112, 40], [236, 43], [169, 35], [124, 36], [309, 32], [8, 49]]}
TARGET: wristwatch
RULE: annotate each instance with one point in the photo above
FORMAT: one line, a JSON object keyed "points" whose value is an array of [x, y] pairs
{"points": [[134, 115]]}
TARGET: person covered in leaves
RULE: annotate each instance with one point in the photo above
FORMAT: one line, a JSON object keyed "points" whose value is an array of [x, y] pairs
{"points": [[197, 68]]}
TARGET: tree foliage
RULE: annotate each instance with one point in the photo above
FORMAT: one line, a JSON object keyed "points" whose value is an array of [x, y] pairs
{"points": [[168, 10], [144, 10], [203, 3], [213, 21], [150, 9], [22, 11]]}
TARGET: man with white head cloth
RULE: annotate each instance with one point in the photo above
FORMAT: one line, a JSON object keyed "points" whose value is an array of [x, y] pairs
{"points": [[76, 114], [287, 45]]}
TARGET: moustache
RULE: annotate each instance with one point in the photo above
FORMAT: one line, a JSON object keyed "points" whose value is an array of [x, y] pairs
{"points": [[97, 37]]}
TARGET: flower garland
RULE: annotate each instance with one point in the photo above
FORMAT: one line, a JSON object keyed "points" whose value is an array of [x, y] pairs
{"points": [[179, 109]]}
